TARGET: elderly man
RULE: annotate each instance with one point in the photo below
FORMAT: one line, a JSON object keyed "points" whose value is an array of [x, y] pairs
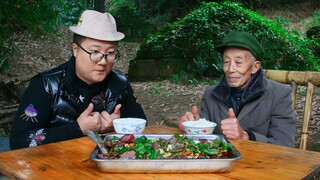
{"points": [[246, 105], [82, 94]]}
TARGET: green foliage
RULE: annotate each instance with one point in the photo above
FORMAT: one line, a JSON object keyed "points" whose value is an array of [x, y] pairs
{"points": [[183, 78], [196, 35], [70, 11], [155, 89], [254, 4], [190, 79], [315, 20], [148, 15], [162, 10], [314, 30], [39, 18], [131, 23], [315, 147]]}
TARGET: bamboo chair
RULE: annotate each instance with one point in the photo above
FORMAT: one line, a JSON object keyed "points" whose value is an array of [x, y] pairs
{"points": [[295, 78]]}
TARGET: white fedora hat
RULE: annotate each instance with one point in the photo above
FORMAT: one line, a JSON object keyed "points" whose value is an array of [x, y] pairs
{"points": [[97, 25]]}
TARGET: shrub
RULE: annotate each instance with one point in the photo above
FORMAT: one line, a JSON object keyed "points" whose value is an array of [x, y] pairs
{"points": [[130, 22], [39, 18], [196, 35]]}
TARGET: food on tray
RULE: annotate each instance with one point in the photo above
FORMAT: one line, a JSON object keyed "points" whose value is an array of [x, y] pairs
{"points": [[176, 147]]}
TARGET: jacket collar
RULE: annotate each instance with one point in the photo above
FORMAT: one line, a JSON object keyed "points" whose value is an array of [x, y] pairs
{"points": [[255, 88], [69, 77]]}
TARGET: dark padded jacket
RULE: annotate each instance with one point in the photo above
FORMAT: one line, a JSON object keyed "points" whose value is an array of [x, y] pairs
{"points": [[55, 99], [65, 101]]}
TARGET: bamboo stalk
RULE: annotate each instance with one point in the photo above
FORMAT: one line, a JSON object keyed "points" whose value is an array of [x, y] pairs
{"points": [[300, 77], [306, 116], [294, 93]]}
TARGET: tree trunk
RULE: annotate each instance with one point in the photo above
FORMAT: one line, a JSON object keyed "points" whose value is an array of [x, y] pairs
{"points": [[99, 5]]}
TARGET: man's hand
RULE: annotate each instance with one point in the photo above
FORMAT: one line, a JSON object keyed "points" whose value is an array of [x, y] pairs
{"points": [[189, 116], [89, 120], [106, 119], [231, 127]]}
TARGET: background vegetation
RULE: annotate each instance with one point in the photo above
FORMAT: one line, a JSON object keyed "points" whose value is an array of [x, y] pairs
{"points": [[38, 18], [168, 30], [196, 35]]}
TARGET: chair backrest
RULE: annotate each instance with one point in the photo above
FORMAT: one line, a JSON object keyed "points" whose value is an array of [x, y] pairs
{"points": [[295, 78]]}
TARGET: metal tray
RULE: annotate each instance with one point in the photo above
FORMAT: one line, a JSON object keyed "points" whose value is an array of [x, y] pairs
{"points": [[167, 165]]}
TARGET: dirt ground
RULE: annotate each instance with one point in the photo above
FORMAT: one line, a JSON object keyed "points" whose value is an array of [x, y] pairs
{"points": [[163, 101]]}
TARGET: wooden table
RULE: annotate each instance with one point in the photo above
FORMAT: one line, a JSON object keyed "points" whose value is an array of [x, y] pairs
{"points": [[70, 160]]}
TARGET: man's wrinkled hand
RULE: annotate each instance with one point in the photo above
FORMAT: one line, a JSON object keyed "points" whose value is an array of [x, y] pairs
{"points": [[231, 128], [189, 116]]}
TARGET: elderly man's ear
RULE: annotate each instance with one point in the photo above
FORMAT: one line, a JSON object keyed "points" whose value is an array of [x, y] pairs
{"points": [[256, 67]]}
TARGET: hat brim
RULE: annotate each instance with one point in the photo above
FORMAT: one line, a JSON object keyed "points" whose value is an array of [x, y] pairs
{"points": [[107, 36]]}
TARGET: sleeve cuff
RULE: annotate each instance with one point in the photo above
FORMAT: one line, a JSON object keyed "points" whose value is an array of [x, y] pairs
{"points": [[75, 131], [252, 137]]}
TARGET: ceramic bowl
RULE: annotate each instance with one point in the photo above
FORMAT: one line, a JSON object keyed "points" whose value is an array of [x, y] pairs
{"points": [[200, 126], [129, 125]]}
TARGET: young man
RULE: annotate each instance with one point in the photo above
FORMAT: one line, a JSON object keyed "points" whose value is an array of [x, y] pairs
{"points": [[246, 105], [82, 94]]}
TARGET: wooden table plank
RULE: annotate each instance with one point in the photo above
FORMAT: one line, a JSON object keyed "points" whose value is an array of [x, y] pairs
{"points": [[275, 161], [70, 160]]}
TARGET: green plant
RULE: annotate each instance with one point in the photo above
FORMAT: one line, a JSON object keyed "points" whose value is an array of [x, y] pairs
{"points": [[39, 18], [201, 66], [315, 20], [315, 147], [155, 89], [182, 78], [175, 78], [196, 35], [70, 11], [253, 4], [189, 79]]}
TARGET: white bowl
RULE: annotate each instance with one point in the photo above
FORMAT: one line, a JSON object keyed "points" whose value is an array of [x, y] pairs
{"points": [[200, 126], [129, 125]]}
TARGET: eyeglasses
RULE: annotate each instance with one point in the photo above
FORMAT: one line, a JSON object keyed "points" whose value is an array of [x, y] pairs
{"points": [[96, 56]]}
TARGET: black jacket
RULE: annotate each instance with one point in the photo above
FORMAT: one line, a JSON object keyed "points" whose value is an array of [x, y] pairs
{"points": [[55, 99]]}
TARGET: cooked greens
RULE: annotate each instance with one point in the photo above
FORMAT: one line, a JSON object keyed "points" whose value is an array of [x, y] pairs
{"points": [[176, 147]]}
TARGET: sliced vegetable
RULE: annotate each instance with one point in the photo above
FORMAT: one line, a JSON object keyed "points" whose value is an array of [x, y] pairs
{"points": [[176, 147], [154, 154], [141, 139]]}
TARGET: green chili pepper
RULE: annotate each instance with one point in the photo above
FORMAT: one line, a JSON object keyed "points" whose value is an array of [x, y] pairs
{"points": [[121, 149], [193, 148], [140, 149], [141, 140], [177, 136], [224, 147], [216, 143], [211, 151], [206, 150], [202, 147], [154, 154]]}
